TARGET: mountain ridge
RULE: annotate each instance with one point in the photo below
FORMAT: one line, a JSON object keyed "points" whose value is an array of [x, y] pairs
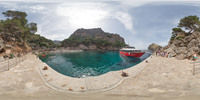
{"points": [[93, 39]]}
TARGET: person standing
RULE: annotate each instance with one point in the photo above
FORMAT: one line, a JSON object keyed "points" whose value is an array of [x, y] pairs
{"points": [[195, 56], [166, 54], [156, 53], [170, 55]]}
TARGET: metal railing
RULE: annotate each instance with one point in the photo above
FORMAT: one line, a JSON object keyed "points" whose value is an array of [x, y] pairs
{"points": [[7, 64]]}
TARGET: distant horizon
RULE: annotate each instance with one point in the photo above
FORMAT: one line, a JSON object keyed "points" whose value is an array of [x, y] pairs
{"points": [[140, 23]]}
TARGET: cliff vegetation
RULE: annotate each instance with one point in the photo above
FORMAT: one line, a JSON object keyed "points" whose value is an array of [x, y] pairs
{"points": [[92, 39], [19, 35], [185, 39]]}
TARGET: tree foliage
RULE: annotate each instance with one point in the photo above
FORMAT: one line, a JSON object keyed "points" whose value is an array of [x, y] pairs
{"points": [[15, 14], [75, 41], [175, 31], [187, 25], [36, 42], [16, 26], [190, 23]]}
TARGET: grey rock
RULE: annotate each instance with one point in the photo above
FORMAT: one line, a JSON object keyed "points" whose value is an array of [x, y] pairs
{"points": [[184, 48], [181, 56], [82, 47], [181, 34], [154, 47], [92, 47], [171, 50], [1, 44], [189, 54], [70, 48], [182, 44]]}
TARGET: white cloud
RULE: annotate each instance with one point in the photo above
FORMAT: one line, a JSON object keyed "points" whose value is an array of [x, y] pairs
{"points": [[135, 3], [8, 5], [90, 15], [125, 19], [82, 15], [37, 9], [77, 14]]}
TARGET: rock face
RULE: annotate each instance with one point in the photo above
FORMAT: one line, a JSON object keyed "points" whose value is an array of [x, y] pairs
{"points": [[154, 47], [93, 39], [185, 46], [1, 44]]}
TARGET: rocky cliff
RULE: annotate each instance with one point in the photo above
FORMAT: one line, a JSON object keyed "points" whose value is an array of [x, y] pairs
{"points": [[18, 36], [154, 47], [183, 46], [185, 38], [14, 46], [35, 42], [92, 39]]}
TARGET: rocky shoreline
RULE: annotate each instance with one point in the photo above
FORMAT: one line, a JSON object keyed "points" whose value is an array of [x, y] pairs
{"points": [[64, 51]]}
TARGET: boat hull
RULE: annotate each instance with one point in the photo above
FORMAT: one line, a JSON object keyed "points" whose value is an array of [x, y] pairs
{"points": [[132, 54]]}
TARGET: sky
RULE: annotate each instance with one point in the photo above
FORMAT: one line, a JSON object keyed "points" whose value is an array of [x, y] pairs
{"points": [[139, 22]]}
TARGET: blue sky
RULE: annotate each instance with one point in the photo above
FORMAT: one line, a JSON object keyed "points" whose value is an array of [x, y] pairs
{"points": [[139, 22]]}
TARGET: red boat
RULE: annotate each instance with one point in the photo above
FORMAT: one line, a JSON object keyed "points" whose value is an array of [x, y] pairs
{"points": [[131, 52]]}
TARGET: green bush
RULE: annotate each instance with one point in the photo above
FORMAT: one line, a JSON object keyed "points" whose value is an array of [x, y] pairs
{"points": [[75, 41], [180, 38]]}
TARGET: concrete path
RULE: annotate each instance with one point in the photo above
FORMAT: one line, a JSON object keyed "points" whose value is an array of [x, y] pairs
{"points": [[103, 82], [161, 79], [23, 78]]}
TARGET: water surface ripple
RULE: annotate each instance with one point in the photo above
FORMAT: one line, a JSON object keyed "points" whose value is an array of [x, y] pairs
{"points": [[89, 63]]}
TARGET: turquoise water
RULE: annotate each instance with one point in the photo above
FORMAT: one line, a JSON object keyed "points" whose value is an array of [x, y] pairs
{"points": [[88, 63]]}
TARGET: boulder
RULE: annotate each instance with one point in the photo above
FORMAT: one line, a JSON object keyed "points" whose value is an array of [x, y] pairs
{"points": [[189, 54], [177, 42], [192, 43], [154, 47], [182, 44], [183, 50], [181, 56], [171, 50], [181, 34]]}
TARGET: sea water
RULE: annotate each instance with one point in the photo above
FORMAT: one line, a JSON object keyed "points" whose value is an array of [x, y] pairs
{"points": [[89, 63]]}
